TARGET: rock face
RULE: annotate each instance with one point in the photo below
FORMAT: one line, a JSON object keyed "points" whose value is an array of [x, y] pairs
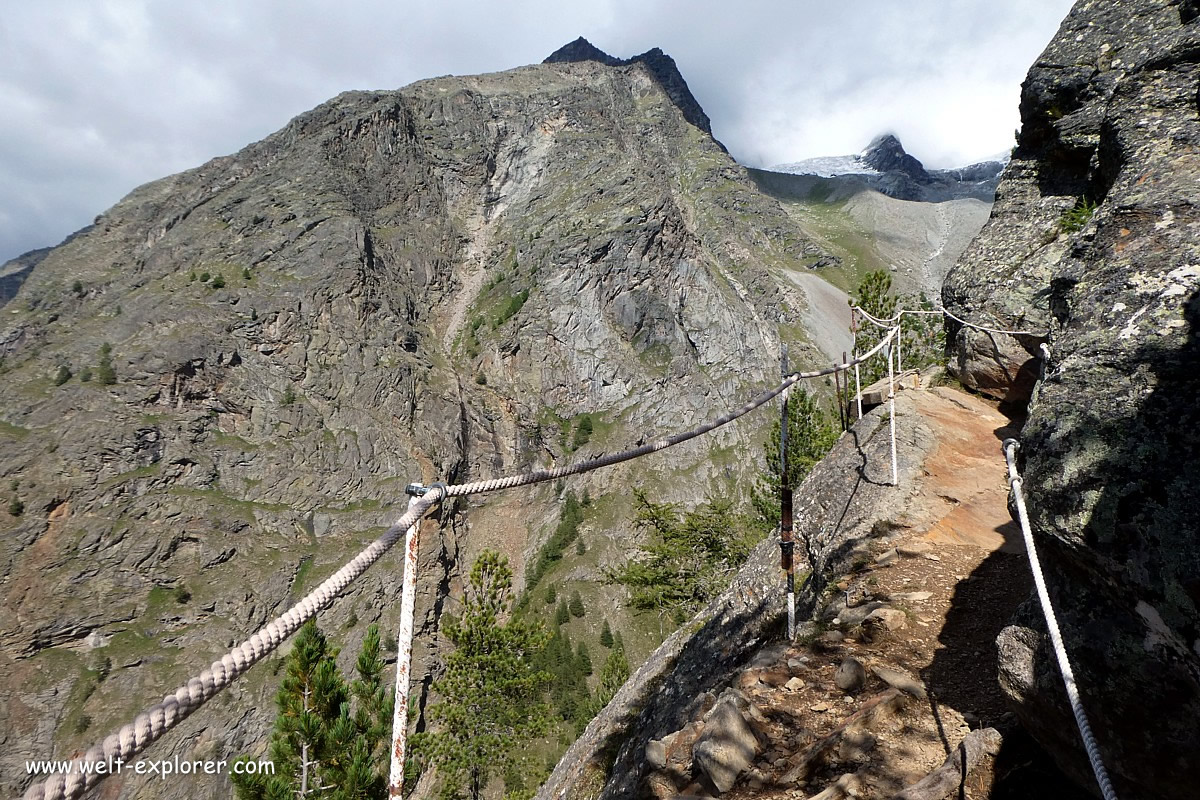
{"points": [[423, 284], [1109, 118]]}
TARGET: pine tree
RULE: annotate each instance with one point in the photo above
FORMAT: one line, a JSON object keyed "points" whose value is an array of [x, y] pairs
{"points": [[874, 295], [492, 688], [606, 637], [561, 614], [811, 434], [105, 373], [551, 594], [576, 604], [583, 658], [321, 747]]}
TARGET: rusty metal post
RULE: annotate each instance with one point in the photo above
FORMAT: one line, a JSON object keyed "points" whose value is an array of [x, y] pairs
{"points": [[404, 649], [786, 545]]}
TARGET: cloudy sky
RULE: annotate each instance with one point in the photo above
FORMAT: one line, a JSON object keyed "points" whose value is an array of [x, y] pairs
{"points": [[99, 96]]}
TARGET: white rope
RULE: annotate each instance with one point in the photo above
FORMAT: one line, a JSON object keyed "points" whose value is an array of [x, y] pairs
{"points": [[895, 319], [1060, 649], [150, 725]]}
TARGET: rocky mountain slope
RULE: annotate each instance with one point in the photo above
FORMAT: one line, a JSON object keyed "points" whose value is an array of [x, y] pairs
{"points": [[1093, 240], [215, 394]]}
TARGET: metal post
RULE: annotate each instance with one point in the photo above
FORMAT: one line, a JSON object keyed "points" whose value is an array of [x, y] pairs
{"points": [[892, 407], [899, 340], [843, 409], [854, 349], [404, 649], [786, 545]]}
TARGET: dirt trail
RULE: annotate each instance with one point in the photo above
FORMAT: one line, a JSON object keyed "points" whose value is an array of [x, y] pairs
{"points": [[919, 618]]}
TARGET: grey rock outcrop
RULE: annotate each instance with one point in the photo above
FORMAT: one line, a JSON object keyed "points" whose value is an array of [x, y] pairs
{"points": [[427, 283], [1109, 118]]}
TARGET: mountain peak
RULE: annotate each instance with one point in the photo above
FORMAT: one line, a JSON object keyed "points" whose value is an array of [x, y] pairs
{"points": [[581, 50], [886, 154], [661, 66]]}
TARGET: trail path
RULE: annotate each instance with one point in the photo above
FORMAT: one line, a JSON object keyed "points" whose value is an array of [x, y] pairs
{"points": [[923, 611]]}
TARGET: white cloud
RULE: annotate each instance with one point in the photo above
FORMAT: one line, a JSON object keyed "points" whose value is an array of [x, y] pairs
{"points": [[103, 95]]}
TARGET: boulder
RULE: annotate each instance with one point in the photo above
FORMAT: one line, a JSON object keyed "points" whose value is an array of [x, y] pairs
{"points": [[727, 747]]}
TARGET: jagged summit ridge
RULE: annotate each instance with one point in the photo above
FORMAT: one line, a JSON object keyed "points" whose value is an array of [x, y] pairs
{"points": [[660, 65], [581, 50]]}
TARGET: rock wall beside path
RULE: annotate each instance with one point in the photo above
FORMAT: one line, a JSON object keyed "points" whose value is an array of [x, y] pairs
{"points": [[1109, 119]]}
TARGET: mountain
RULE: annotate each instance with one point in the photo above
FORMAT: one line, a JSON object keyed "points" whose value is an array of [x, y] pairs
{"points": [[215, 395], [886, 167]]}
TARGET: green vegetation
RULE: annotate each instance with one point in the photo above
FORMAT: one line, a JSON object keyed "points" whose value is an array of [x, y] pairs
{"points": [[289, 396], [15, 507], [1075, 218], [331, 735], [922, 336], [811, 434], [575, 606], [551, 594], [491, 693], [105, 374], [583, 431], [510, 309], [77, 288], [690, 557], [606, 636], [85, 374], [552, 551], [218, 282], [63, 375]]}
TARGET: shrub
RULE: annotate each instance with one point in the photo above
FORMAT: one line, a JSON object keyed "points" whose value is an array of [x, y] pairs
{"points": [[218, 282], [606, 636], [1075, 218], [481, 379], [63, 375], [182, 594], [77, 288], [576, 604], [289, 395], [85, 374], [15, 507], [583, 432]]}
